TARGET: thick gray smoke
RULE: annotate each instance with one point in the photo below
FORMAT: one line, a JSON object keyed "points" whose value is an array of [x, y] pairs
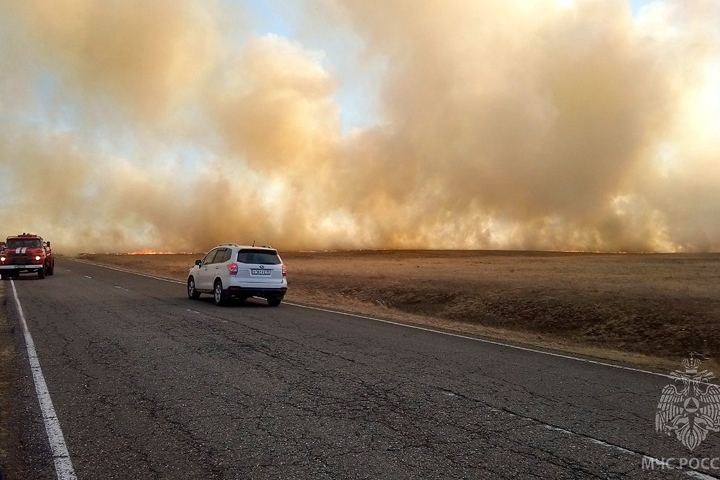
{"points": [[504, 124]]}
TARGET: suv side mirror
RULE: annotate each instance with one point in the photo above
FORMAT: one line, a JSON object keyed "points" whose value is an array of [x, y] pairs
{"points": [[198, 262], [48, 244]]}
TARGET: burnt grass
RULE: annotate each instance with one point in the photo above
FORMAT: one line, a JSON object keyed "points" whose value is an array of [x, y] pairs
{"points": [[661, 305]]}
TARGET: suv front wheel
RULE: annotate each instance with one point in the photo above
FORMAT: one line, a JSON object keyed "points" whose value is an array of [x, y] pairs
{"points": [[192, 292]]}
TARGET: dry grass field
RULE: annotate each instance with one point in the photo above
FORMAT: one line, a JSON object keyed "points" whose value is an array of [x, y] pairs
{"points": [[641, 308]]}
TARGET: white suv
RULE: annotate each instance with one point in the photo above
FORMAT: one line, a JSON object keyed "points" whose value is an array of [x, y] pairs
{"points": [[231, 270]]}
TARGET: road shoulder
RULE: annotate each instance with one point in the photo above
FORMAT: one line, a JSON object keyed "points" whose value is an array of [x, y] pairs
{"points": [[23, 453], [11, 451]]}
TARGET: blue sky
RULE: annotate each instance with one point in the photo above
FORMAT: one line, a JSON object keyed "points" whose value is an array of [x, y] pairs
{"points": [[359, 84]]}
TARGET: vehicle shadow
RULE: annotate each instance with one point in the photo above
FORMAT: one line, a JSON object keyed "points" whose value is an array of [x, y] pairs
{"points": [[24, 278], [249, 303]]}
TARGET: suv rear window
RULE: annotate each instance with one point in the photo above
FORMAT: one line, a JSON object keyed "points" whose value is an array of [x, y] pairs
{"points": [[262, 257]]}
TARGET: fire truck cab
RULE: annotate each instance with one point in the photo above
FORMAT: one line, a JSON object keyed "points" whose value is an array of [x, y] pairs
{"points": [[26, 253]]}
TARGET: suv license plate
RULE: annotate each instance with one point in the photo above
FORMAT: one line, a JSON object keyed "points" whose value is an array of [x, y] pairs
{"points": [[260, 271]]}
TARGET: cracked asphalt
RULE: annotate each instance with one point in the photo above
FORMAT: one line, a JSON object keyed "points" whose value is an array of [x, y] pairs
{"points": [[148, 384]]}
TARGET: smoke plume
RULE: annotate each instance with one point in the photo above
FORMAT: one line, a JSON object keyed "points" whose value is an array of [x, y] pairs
{"points": [[502, 124]]}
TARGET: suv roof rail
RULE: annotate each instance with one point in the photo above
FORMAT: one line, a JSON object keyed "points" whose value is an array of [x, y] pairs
{"points": [[228, 245]]}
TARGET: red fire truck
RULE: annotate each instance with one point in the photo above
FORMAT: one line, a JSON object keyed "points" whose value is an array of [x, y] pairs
{"points": [[26, 253]]}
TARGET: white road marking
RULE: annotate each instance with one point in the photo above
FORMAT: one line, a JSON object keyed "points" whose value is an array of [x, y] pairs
{"points": [[690, 473], [660, 463], [417, 327], [61, 456], [656, 461], [122, 288], [485, 340], [125, 270], [88, 276], [205, 315]]}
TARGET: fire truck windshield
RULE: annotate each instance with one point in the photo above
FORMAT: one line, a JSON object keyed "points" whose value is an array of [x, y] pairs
{"points": [[20, 243]]}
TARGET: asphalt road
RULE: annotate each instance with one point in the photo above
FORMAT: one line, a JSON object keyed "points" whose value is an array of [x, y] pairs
{"points": [[149, 384]]}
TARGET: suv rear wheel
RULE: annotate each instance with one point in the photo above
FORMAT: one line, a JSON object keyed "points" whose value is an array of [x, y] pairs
{"points": [[274, 302], [218, 294]]}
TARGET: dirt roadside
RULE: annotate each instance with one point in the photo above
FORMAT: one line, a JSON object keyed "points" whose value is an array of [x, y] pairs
{"points": [[646, 309]]}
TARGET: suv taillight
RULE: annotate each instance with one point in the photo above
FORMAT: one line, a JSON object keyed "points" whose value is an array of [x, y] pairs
{"points": [[233, 268], [284, 270]]}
